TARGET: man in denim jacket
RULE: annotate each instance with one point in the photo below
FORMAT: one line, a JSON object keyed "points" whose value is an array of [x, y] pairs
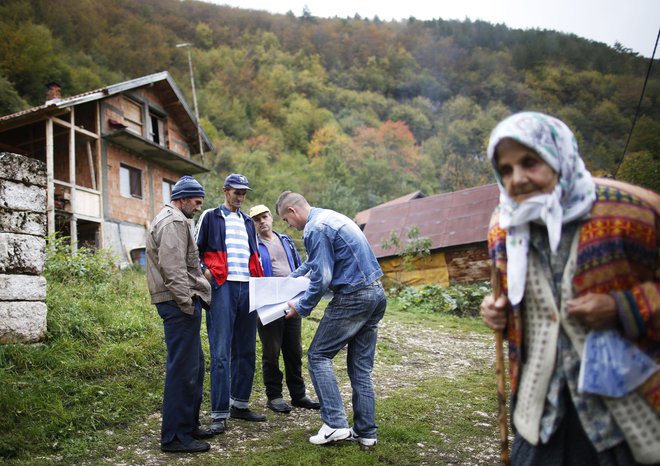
{"points": [[339, 259]]}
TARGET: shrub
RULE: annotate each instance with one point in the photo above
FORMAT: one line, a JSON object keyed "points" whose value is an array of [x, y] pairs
{"points": [[64, 264], [458, 300]]}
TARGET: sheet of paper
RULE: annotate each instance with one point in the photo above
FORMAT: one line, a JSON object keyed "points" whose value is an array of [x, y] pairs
{"points": [[269, 295], [272, 312]]}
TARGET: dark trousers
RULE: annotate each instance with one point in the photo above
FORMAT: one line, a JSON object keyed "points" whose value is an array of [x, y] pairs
{"points": [[282, 335], [184, 377]]}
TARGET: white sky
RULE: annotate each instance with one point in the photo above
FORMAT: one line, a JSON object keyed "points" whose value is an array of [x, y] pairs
{"points": [[633, 23]]}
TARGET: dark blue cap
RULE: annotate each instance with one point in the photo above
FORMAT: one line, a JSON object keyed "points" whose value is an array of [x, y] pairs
{"points": [[237, 181]]}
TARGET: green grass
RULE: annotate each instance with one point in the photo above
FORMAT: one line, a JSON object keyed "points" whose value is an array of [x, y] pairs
{"points": [[90, 393], [99, 366]]}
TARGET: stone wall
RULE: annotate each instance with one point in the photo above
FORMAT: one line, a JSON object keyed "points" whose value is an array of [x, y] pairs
{"points": [[23, 227]]}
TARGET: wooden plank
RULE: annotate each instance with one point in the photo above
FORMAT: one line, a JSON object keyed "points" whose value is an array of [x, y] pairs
{"points": [[90, 161], [468, 264]]}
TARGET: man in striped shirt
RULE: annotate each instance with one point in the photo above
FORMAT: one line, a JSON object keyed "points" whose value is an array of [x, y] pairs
{"points": [[227, 242]]}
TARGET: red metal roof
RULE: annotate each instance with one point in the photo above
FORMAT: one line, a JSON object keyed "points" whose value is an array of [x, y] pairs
{"points": [[362, 217], [449, 219]]}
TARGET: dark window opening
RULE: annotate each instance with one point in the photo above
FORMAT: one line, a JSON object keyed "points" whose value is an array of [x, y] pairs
{"points": [[130, 181], [157, 130]]}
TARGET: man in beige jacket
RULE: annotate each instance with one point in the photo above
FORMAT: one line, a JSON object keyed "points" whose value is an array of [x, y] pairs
{"points": [[179, 291]]}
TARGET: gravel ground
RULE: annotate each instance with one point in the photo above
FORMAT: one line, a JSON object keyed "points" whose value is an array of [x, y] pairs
{"points": [[426, 353]]}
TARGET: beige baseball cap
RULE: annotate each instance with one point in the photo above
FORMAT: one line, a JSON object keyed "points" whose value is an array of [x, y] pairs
{"points": [[258, 210]]}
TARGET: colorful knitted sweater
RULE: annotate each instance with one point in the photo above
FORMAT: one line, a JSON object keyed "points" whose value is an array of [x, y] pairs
{"points": [[619, 254]]}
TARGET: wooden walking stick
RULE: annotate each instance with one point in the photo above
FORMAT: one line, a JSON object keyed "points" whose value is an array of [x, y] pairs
{"points": [[496, 284]]}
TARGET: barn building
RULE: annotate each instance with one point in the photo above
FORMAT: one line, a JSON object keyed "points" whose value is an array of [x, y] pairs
{"points": [[457, 225]]}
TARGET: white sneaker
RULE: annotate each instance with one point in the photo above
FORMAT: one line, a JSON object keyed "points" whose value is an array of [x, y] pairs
{"points": [[367, 442], [329, 434]]}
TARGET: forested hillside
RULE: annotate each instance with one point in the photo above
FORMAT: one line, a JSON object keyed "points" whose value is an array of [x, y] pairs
{"points": [[352, 112]]}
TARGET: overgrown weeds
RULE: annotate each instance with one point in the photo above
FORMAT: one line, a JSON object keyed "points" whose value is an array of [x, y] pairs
{"points": [[457, 300], [65, 264]]}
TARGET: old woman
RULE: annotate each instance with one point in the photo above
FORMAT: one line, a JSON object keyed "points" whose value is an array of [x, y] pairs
{"points": [[577, 255]]}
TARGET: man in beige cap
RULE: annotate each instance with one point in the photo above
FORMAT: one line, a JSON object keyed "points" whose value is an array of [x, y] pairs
{"points": [[279, 258]]}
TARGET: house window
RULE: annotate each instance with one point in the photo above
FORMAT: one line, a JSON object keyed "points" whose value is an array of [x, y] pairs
{"points": [[157, 130], [130, 181], [167, 191]]}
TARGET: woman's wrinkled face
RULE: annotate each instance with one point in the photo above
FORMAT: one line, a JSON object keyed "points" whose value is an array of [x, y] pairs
{"points": [[523, 172]]}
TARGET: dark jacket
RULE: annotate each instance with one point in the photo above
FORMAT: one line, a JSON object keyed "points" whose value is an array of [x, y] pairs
{"points": [[210, 238]]}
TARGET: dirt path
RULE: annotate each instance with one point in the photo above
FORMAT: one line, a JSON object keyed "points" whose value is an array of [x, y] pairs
{"points": [[425, 353]]}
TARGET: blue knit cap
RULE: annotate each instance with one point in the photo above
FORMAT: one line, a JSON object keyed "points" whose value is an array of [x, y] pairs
{"points": [[187, 186]]}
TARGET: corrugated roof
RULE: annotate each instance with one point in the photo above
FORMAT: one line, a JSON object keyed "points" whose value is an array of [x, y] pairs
{"points": [[449, 219], [90, 95], [362, 217], [59, 103]]}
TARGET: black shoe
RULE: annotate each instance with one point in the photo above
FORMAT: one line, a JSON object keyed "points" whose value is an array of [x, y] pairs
{"points": [[278, 405], [201, 434], [175, 446], [306, 402], [246, 414], [218, 427]]}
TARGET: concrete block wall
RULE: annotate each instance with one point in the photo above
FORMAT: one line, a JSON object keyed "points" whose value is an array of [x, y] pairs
{"points": [[23, 229]]}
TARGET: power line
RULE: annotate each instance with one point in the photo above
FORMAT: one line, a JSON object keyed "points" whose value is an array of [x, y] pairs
{"points": [[639, 105]]}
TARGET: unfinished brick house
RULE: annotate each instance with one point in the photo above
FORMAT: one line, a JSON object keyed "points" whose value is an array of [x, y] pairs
{"points": [[112, 156], [457, 225]]}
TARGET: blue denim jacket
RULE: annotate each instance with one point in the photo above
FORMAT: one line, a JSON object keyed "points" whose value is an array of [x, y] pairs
{"points": [[338, 256]]}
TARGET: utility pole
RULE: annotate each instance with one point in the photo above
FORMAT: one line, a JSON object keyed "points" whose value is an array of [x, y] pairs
{"points": [[194, 94]]}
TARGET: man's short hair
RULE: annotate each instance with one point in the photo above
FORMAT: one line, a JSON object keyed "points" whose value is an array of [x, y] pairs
{"points": [[288, 199]]}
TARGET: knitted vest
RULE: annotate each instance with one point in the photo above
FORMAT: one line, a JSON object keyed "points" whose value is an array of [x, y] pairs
{"points": [[636, 418]]}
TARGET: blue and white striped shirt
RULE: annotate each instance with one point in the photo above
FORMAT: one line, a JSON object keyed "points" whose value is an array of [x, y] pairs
{"points": [[238, 248]]}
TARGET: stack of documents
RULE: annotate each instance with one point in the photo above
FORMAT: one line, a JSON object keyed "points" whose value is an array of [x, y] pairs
{"points": [[269, 296]]}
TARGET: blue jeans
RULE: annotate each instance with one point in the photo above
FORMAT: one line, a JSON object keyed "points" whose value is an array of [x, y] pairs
{"points": [[350, 319], [184, 376], [232, 331]]}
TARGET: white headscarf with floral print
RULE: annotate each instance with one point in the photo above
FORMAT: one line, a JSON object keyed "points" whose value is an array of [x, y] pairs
{"points": [[571, 199]]}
